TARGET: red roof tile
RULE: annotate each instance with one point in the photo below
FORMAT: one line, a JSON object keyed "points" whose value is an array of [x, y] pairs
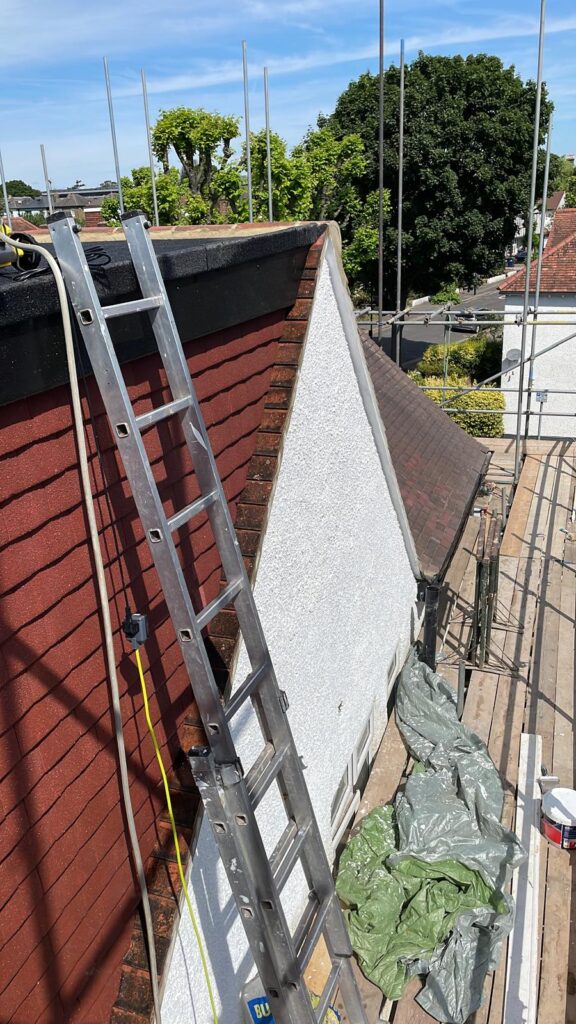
{"points": [[558, 268]]}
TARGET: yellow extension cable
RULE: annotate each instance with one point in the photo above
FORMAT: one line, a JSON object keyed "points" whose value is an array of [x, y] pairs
{"points": [[175, 834]]}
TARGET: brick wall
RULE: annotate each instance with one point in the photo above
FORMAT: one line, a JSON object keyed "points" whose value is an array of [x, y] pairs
{"points": [[66, 890]]}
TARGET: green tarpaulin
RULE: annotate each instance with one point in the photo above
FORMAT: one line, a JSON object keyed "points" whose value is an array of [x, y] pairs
{"points": [[423, 881]]}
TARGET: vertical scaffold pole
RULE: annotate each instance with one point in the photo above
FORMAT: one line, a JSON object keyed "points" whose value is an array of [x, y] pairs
{"points": [[398, 328], [538, 278], [535, 146], [5, 194], [150, 152], [268, 148], [46, 180], [247, 128], [381, 175], [113, 134]]}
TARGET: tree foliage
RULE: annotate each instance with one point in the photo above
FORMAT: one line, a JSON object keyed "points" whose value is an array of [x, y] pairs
{"points": [[201, 140], [467, 158], [336, 166], [176, 204], [562, 174], [360, 253], [17, 187], [473, 419], [291, 179], [474, 360]]}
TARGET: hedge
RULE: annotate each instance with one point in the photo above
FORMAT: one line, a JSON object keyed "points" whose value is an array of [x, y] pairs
{"points": [[476, 423], [475, 359], [447, 293]]}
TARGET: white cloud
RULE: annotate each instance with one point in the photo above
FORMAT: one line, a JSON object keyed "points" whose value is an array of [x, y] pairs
{"points": [[227, 72]]}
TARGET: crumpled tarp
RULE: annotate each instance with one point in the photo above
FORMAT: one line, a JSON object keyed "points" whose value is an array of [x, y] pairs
{"points": [[423, 881]]}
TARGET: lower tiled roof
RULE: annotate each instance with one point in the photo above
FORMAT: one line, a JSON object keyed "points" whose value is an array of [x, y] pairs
{"points": [[438, 465]]}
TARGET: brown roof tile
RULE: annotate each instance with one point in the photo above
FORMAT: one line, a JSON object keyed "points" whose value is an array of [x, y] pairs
{"points": [[563, 225], [438, 465]]}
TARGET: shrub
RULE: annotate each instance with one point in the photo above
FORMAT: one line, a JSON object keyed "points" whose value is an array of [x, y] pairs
{"points": [[475, 359], [447, 293], [477, 423]]}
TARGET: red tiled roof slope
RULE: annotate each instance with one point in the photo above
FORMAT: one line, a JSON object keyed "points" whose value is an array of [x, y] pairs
{"points": [[438, 465], [65, 874], [558, 270]]}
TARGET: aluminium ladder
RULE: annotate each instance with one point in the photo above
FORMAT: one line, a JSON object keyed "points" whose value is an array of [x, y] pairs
{"points": [[230, 796]]}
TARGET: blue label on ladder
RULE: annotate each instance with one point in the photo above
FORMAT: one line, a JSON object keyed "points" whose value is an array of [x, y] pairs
{"points": [[259, 1010]]}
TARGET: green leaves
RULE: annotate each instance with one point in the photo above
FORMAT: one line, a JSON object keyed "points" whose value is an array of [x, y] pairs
{"points": [[467, 163]]}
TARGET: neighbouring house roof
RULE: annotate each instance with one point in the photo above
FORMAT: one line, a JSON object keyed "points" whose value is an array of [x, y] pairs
{"points": [[553, 201], [21, 224], [438, 466], [558, 265], [69, 201], [563, 225], [28, 203]]}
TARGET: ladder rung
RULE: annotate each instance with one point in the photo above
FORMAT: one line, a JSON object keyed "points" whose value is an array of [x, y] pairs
{"points": [[147, 419], [310, 929], [136, 306], [251, 683], [328, 991], [220, 602], [264, 771], [287, 851], [182, 517]]}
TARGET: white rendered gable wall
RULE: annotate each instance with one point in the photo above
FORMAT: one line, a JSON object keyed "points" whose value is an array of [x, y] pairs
{"points": [[555, 369], [336, 594]]}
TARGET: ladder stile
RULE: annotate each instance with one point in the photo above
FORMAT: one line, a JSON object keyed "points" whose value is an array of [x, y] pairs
{"points": [[230, 796]]}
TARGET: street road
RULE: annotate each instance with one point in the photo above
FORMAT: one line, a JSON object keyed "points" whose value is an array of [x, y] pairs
{"points": [[416, 339]]}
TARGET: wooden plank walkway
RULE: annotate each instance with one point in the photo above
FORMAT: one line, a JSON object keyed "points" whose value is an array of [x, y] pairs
{"points": [[527, 685]]}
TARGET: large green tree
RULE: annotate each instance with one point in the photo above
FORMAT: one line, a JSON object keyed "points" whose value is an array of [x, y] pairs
{"points": [[17, 187], [201, 140], [468, 145]]}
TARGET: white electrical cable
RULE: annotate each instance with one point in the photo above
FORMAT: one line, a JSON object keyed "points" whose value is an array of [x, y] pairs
{"points": [[104, 604]]}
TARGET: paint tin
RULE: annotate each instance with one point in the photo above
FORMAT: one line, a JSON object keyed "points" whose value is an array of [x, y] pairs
{"points": [[559, 817]]}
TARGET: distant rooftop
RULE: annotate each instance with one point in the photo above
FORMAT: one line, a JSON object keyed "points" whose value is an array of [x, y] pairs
{"points": [[558, 262]]}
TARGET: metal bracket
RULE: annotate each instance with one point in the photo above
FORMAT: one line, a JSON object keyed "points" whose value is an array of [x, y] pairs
{"points": [[203, 764]]}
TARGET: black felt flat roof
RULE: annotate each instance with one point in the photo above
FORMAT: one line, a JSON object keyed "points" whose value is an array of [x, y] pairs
{"points": [[179, 258], [213, 284]]}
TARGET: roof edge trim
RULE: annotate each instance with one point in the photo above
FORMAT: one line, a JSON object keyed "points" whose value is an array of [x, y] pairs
{"points": [[331, 253]]}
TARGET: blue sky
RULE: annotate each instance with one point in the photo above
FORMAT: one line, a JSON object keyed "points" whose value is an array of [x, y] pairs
{"points": [[53, 87]]}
